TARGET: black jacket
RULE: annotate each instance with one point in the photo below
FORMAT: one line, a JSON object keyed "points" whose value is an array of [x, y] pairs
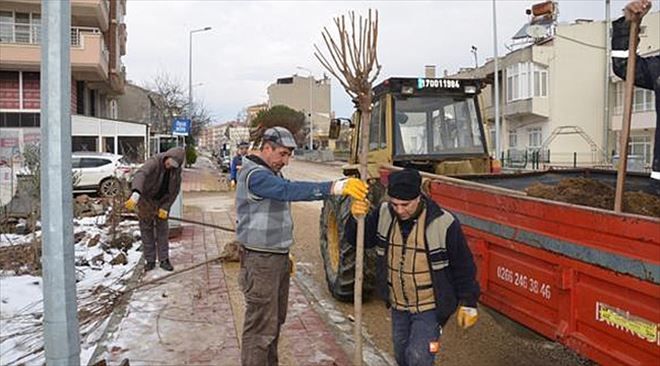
{"points": [[455, 284], [647, 75]]}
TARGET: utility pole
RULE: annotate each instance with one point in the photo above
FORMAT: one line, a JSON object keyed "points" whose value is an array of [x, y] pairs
{"points": [[190, 86], [61, 333], [606, 93], [311, 107], [498, 148]]}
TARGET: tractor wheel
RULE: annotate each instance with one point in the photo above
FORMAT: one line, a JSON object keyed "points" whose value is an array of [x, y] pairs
{"points": [[338, 255]]}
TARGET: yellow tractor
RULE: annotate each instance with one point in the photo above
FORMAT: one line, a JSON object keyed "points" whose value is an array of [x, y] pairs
{"points": [[432, 125]]}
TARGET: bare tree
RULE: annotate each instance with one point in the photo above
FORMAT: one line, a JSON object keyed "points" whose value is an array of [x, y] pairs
{"points": [[354, 62], [170, 100]]}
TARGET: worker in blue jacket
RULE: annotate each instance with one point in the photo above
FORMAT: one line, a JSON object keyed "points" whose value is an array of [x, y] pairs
{"points": [[237, 162], [647, 71]]}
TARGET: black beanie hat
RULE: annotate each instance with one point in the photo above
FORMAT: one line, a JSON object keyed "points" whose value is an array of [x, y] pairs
{"points": [[404, 184]]}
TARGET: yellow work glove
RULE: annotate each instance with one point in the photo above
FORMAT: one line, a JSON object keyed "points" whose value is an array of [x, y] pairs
{"points": [[162, 214], [466, 316], [353, 187], [359, 208], [132, 201]]}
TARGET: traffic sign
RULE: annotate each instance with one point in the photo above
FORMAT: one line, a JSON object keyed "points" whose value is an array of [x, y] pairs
{"points": [[181, 127]]}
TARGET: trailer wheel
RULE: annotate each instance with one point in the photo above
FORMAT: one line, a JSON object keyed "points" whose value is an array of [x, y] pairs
{"points": [[338, 255]]}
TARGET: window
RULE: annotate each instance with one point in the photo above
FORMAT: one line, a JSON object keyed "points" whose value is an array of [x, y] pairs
{"points": [[75, 163], [19, 90], [513, 138], [640, 145], [535, 137], [525, 80], [108, 144], [18, 27], [438, 126], [113, 109], [492, 132], [643, 99], [84, 143], [374, 127], [94, 162], [19, 119]]}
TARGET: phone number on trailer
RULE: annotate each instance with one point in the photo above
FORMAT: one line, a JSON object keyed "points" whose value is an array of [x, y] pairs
{"points": [[524, 282]]}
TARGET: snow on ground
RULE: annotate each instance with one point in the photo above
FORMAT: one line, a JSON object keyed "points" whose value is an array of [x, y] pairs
{"points": [[98, 282]]}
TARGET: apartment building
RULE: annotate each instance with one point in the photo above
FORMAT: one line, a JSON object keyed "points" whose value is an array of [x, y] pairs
{"points": [[253, 110], [98, 42], [307, 95], [552, 96]]}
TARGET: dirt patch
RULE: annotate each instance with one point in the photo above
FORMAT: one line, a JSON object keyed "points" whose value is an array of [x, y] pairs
{"points": [[21, 259], [593, 193]]}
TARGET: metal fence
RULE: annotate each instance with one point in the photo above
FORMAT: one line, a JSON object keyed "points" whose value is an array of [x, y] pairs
{"points": [[23, 33]]}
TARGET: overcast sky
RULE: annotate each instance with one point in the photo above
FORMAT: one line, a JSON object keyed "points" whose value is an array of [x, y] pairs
{"points": [[253, 43]]}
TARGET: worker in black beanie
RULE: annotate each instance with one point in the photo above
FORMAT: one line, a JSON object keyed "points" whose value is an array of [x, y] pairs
{"points": [[405, 184], [424, 268]]}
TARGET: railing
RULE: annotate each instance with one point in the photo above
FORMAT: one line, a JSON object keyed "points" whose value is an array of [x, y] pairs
{"points": [[20, 33]]}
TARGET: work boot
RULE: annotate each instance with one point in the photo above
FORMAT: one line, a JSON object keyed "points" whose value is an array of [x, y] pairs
{"points": [[149, 266], [166, 265]]}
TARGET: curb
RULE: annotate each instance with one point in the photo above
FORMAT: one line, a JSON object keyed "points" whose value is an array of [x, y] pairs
{"points": [[341, 327]]}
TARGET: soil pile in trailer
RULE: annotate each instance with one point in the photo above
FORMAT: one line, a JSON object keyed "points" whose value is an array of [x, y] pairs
{"points": [[593, 193]]}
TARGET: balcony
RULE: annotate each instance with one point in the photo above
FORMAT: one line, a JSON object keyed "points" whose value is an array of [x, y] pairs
{"points": [[530, 107], [92, 13], [20, 49]]}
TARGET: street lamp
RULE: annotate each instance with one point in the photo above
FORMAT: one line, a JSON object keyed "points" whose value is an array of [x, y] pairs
{"points": [[311, 112], [190, 86]]}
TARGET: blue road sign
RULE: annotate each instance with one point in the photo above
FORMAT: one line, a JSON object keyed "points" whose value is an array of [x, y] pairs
{"points": [[181, 127]]}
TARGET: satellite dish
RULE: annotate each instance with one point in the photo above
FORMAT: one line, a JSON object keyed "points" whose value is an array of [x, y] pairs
{"points": [[536, 31]]}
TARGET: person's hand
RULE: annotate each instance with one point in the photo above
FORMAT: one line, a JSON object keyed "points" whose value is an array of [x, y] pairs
{"points": [[636, 10], [162, 214], [353, 187], [466, 316], [132, 201], [232, 185], [359, 208]]}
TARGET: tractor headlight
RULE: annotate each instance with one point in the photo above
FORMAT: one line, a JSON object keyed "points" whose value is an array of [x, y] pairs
{"points": [[470, 89]]}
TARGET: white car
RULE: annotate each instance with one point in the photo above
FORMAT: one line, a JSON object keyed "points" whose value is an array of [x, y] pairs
{"points": [[99, 172]]}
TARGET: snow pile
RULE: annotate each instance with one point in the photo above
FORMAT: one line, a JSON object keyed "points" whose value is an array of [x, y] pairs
{"points": [[103, 267]]}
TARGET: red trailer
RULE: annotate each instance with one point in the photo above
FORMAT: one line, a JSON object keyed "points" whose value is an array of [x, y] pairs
{"points": [[588, 278]]}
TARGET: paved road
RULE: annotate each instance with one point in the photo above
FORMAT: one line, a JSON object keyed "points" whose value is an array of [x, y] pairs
{"points": [[488, 343]]}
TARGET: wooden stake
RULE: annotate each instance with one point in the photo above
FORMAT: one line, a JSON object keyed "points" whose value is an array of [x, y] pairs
{"points": [[365, 118], [627, 115], [354, 62]]}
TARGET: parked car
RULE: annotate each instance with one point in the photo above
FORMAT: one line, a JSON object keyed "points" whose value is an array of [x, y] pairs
{"points": [[100, 172]]}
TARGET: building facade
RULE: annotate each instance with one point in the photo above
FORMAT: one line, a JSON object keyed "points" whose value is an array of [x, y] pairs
{"points": [[253, 110], [98, 42], [553, 98], [305, 94]]}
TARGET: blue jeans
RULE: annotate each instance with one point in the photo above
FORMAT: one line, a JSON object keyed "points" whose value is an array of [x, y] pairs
{"points": [[411, 334]]}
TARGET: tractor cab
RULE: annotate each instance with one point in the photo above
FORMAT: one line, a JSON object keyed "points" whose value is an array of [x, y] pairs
{"points": [[433, 125]]}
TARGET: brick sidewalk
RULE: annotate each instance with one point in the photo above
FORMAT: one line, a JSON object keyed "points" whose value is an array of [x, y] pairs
{"points": [[195, 318]]}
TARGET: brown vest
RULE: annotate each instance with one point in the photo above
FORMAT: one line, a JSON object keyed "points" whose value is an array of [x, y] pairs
{"points": [[409, 275]]}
